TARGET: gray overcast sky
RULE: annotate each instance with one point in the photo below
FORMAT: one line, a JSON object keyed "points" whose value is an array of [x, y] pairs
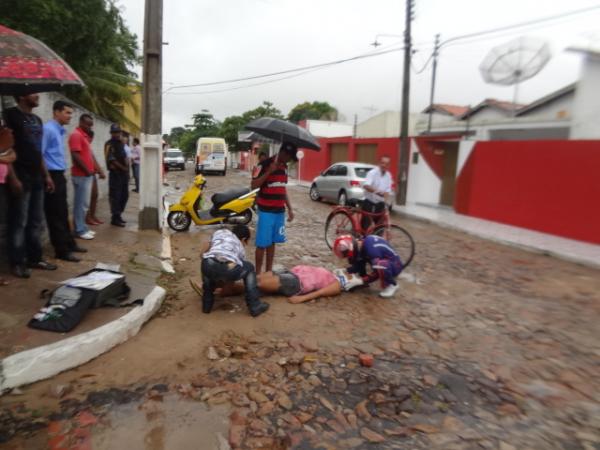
{"points": [[224, 39]]}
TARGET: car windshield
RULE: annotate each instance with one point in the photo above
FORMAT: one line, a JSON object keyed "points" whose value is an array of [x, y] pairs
{"points": [[361, 172], [173, 154]]}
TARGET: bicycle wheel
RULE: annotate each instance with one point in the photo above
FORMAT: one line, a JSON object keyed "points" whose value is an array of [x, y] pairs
{"points": [[400, 239], [337, 224]]}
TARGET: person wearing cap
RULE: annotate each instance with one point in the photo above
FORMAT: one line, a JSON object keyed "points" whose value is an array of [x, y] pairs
{"points": [[272, 201], [375, 252], [118, 177]]}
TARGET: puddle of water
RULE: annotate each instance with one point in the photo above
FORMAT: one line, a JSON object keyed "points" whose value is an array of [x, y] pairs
{"points": [[162, 425]]}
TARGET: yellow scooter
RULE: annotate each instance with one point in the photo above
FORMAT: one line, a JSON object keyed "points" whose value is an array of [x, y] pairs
{"points": [[232, 206]]}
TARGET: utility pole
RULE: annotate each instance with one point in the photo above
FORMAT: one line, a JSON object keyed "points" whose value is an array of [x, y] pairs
{"points": [[436, 49], [405, 113], [151, 210]]}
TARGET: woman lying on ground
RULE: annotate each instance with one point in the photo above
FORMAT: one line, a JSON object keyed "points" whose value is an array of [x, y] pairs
{"points": [[300, 284]]}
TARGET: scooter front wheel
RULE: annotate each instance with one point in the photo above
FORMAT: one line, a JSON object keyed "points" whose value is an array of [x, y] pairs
{"points": [[179, 220]]}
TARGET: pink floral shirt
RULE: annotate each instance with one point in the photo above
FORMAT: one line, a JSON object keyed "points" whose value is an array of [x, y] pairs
{"points": [[312, 278]]}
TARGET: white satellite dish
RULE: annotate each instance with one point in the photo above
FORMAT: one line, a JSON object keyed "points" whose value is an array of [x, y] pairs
{"points": [[514, 62]]}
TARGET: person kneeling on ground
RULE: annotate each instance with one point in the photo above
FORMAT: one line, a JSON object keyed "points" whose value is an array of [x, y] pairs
{"points": [[223, 261], [300, 284], [376, 252]]}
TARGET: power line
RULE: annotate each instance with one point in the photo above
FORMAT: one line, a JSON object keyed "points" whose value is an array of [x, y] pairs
{"points": [[248, 85], [507, 33], [521, 24], [283, 72], [502, 31], [307, 69], [425, 64]]}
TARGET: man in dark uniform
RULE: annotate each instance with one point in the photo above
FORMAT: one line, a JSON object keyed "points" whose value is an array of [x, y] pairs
{"points": [[118, 178]]}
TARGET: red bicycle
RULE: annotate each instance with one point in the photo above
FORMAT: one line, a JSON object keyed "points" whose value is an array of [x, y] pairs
{"points": [[348, 220]]}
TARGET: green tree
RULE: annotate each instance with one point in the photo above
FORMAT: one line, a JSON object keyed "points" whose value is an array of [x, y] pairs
{"points": [[230, 128], [203, 125], [314, 110], [174, 137], [232, 125], [93, 38]]}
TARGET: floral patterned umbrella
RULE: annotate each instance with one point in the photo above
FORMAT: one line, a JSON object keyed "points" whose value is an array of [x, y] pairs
{"points": [[27, 65]]}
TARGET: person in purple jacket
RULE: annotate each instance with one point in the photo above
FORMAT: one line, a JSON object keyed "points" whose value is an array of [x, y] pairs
{"points": [[373, 251]]}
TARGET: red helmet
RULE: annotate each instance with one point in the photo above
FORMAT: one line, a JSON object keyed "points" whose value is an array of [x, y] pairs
{"points": [[344, 246]]}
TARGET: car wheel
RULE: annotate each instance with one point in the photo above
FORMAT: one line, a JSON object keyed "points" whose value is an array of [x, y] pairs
{"points": [[342, 198], [314, 193]]}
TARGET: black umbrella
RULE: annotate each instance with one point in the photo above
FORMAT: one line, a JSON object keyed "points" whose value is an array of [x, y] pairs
{"points": [[283, 131]]}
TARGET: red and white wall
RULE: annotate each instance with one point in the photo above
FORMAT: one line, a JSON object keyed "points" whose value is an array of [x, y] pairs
{"points": [[548, 186]]}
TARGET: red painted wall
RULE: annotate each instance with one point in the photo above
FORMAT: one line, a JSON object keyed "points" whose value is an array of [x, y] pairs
{"points": [[548, 186], [427, 148], [314, 163]]}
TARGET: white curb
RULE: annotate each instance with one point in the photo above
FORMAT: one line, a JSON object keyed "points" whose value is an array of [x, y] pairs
{"points": [[46, 361]]}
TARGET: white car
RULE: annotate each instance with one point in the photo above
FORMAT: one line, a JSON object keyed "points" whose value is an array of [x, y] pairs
{"points": [[174, 159], [341, 183]]}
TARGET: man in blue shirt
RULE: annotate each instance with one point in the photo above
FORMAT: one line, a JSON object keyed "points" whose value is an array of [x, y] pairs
{"points": [[55, 202]]}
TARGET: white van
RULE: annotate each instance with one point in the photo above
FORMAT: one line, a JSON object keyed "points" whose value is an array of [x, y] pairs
{"points": [[211, 155]]}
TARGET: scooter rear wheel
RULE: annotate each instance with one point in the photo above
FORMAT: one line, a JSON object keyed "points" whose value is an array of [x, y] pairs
{"points": [[179, 220]]}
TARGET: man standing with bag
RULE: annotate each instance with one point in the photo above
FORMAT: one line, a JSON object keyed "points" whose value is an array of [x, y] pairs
{"points": [[55, 203], [118, 177]]}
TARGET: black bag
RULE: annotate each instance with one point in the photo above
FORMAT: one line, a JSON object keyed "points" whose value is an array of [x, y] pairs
{"points": [[66, 305]]}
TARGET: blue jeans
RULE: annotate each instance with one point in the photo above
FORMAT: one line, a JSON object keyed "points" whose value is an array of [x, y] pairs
{"points": [[26, 218], [214, 271], [136, 175], [82, 187]]}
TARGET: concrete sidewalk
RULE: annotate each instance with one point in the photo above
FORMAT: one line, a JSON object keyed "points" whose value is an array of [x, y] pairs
{"points": [[23, 349], [568, 249]]}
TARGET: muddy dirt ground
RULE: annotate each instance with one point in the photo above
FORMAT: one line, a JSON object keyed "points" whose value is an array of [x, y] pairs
{"points": [[484, 346]]}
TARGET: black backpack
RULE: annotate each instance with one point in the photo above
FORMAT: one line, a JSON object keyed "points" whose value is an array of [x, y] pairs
{"points": [[66, 305]]}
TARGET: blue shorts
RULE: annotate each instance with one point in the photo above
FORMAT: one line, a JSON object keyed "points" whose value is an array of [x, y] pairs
{"points": [[270, 229]]}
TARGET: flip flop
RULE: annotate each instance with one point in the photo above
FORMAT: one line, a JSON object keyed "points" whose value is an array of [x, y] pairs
{"points": [[195, 287]]}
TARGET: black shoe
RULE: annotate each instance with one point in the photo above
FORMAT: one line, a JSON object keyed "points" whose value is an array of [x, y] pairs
{"points": [[258, 308], [121, 220], [43, 265], [116, 223], [78, 249], [68, 257], [21, 271], [207, 305]]}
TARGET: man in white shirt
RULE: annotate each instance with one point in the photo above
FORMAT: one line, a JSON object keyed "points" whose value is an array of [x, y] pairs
{"points": [[224, 261], [378, 188]]}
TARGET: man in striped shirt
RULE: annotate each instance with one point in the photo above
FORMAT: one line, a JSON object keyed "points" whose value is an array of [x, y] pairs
{"points": [[272, 200]]}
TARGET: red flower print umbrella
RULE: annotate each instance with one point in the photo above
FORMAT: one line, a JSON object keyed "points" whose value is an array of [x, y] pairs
{"points": [[28, 65]]}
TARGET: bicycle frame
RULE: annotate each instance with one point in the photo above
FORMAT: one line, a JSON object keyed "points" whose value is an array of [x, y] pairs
{"points": [[356, 215]]}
